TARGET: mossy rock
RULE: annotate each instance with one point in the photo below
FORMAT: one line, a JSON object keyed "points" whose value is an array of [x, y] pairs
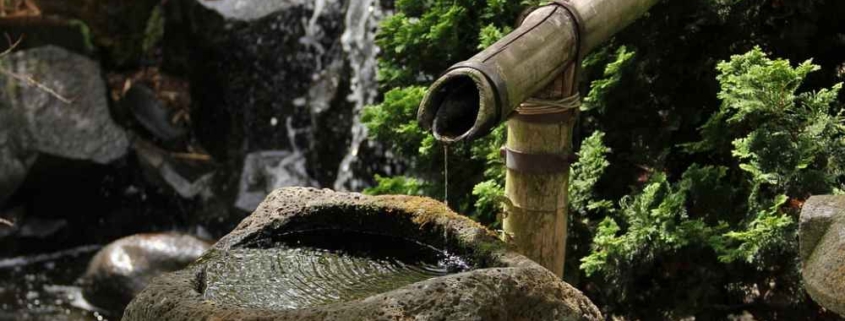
{"points": [[503, 286]]}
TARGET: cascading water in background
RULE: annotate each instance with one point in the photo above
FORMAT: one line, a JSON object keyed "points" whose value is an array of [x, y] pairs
{"points": [[286, 98], [358, 41]]}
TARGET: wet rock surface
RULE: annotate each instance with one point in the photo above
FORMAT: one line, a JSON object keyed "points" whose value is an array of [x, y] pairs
{"points": [[124, 267], [822, 249], [504, 285]]}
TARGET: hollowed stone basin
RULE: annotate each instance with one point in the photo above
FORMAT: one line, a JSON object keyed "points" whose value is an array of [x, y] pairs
{"points": [[308, 254]]}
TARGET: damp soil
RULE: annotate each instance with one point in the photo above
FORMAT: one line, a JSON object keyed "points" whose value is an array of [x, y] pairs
{"points": [[314, 268]]}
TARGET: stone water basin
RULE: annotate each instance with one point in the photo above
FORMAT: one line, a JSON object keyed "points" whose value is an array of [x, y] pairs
{"points": [[309, 254], [321, 267]]}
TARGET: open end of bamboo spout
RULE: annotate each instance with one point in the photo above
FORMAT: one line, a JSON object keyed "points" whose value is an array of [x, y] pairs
{"points": [[459, 106]]}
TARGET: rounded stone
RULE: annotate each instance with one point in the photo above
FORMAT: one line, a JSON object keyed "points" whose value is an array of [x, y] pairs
{"points": [[124, 267], [503, 286]]}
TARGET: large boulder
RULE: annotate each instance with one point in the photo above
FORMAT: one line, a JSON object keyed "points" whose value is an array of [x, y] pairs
{"points": [[503, 285], [35, 120], [822, 249]]}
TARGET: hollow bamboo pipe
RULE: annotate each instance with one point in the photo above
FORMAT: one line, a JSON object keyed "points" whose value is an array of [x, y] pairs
{"points": [[474, 96]]}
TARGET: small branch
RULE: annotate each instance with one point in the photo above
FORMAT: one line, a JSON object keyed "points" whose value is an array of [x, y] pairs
{"points": [[27, 79], [192, 156], [5, 221], [11, 45], [31, 82]]}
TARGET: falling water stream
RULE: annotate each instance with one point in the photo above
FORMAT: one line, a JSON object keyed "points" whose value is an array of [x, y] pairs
{"points": [[446, 174]]}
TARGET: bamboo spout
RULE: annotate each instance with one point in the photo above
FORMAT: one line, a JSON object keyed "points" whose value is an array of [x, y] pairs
{"points": [[540, 58], [474, 96]]}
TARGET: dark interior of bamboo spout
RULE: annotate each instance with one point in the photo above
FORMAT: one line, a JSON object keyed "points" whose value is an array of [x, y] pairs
{"points": [[459, 103]]}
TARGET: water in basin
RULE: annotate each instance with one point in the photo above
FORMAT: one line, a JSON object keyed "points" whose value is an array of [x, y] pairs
{"points": [[321, 267]]}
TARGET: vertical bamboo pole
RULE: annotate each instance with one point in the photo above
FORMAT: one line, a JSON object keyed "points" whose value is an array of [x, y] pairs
{"points": [[536, 219]]}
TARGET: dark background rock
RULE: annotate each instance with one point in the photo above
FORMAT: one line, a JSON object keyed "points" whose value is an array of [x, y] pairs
{"points": [[151, 113], [61, 32], [117, 27]]}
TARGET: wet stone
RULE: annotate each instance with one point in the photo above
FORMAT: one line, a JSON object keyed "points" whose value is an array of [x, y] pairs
{"points": [[124, 267]]}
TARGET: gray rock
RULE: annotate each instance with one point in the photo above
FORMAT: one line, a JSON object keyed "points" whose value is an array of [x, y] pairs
{"points": [[821, 237], [33, 121], [124, 267], [504, 285], [82, 129]]}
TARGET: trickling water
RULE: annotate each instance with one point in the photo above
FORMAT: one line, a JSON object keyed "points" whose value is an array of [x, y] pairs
{"points": [[298, 273], [446, 174]]}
